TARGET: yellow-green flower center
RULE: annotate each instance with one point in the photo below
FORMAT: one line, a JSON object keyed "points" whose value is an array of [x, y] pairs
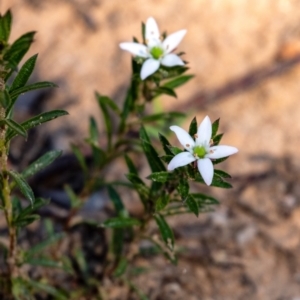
{"points": [[199, 151], [156, 52]]}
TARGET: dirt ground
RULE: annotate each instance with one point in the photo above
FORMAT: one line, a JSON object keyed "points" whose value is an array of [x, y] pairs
{"points": [[246, 58]]}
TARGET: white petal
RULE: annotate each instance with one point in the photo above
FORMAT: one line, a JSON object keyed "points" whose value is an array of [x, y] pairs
{"points": [[135, 49], [152, 31], [171, 60], [173, 40], [204, 132], [206, 169], [216, 152], [149, 67], [184, 138], [181, 159]]}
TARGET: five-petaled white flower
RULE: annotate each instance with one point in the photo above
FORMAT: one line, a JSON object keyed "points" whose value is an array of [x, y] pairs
{"points": [[155, 51], [199, 149]]}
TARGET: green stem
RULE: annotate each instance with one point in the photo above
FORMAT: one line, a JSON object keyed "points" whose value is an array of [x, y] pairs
{"points": [[7, 204]]}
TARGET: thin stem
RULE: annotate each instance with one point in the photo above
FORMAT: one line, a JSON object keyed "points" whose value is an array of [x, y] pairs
{"points": [[8, 210]]}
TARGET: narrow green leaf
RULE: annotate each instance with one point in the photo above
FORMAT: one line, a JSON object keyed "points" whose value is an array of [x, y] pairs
{"points": [[144, 135], [193, 127], [107, 119], [109, 102], [203, 199], [4, 99], [221, 173], [18, 49], [219, 160], [160, 176], [162, 116], [153, 159], [192, 204], [14, 94], [121, 267], [26, 220], [24, 74], [38, 203], [162, 202], [41, 163], [74, 200], [5, 26], [164, 90], [218, 182], [215, 127], [175, 150], [116, 200], [130, 165], [23, 185], [217, 139], [120, 222], [43, 245], [94, 133], [183, 188], [80, 157], [44, 262], [165, 230], [14, 126], [117, 242], [40, 286], [178, 81], [165, 143], [37, 120]]}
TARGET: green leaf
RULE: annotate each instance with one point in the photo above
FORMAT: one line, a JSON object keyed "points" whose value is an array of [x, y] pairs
{"points": [[203, 199], [193, 127], [24, 74], [221, 173], [74, 200], [175, 150], [162, 116], [162, 202], [117, 242], [37, 120], [43, 245], [80, 157], [183, 188], [219, 160], [153, 159], [26, 220], [130, 165], [164, 90], [5, 26], [41, 163], [38, 203], [178, 81], [217, 139], [121, 267], [94, 133], [215, 127], [107, 119], [23, 185], [120, 222], [14, 126], [192, 204], [160, 176], [44, 262], [109, 102], [39, 286], [165, 143], [165, 230], [140, 187], [4, 99], [218, 182], [116, 200], [30, 87], [18, 49]]}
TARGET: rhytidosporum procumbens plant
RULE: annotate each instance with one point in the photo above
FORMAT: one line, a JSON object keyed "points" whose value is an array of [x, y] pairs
{"points": [[18, 213], [155, 71]]}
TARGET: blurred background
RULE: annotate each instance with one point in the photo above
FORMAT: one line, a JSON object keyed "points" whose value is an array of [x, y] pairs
{"points": [[246, 58]]}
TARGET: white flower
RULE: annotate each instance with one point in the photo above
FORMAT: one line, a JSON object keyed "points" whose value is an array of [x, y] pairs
{"points": [[200, 150], [156, 51]]}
